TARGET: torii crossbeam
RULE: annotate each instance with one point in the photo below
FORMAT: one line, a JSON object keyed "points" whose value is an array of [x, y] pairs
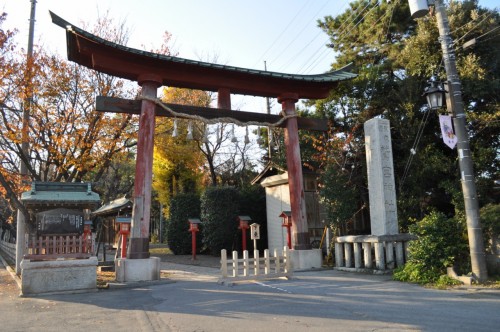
{"points": [[152, 70]]}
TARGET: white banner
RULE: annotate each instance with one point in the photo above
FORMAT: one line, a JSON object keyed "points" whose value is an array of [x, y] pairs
{"points": [[449, 137]]}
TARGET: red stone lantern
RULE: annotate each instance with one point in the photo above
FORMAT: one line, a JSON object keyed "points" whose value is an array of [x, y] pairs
{"points": [[124, 223], [87, 236], [193, 228], [243, 225], [287, 222]]}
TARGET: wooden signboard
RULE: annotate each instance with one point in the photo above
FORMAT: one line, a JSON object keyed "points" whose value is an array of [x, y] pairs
{"points": [[59, 221]]}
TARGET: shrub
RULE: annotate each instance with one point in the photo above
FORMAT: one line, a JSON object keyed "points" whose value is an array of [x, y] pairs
{"points": [[182, 207], [441, 243], [490, 221], [219, 210]]}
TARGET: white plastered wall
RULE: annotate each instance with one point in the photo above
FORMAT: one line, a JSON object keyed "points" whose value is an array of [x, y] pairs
{"points": [[277, 200]]}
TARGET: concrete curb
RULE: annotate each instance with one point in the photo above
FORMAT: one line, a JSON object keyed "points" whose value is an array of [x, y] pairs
{"points": [[123, 285]]}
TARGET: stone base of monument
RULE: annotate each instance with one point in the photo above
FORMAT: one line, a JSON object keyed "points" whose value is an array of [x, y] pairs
{"points": [[129, 270], [58, 276], [306, 259], [466, 280]]}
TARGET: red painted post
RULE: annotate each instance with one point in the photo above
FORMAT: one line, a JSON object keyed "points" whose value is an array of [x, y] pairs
{"points": [[289, 236], [139, 237], [244, 238], [193, 228], [295, 178], [87, 234], [124, 245], [193, 244], [287, 222], [243, 225], [224, 98]]}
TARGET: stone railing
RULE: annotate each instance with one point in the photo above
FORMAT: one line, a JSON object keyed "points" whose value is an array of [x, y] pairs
{"points": [[371, 252], [266, 267], [9, 249]]}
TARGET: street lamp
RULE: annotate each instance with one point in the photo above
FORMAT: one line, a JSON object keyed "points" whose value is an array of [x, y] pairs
{"points": [[434, 94]]}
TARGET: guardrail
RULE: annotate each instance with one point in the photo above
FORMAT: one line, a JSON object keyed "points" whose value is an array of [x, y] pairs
{"points": [[255, 268]]}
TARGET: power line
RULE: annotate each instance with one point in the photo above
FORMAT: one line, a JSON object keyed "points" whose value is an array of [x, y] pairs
{"points": [[301, 31], [273, 44], [475, 26], [323, 54]]}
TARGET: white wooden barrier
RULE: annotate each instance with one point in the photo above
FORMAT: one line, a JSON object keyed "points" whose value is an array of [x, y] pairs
{"points": [[256, 268], [376, 253]]}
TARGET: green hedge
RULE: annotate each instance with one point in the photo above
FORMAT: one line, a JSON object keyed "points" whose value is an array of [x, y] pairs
{"points": [[219, 210], [182, 207], [253, 204]]}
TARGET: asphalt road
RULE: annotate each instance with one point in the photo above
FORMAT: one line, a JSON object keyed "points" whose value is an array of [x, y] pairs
{"points": [[312, 301]]}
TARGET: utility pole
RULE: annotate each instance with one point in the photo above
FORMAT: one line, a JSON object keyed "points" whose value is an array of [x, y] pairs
{"points": [[21, 222], [474, 230]]}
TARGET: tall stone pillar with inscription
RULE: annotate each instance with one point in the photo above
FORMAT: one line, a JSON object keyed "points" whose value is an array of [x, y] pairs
{"points": [[381, 186]]}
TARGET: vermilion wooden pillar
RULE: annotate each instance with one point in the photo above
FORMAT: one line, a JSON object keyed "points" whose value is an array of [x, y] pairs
{"points": [[300, 230], [224, 98], [139, 235]]}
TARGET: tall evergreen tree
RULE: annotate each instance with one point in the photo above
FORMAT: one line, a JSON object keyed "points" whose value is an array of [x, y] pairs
{"points": [[394, 56]]}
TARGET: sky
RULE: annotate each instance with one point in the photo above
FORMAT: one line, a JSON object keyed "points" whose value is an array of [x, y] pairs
{"points": [[283, 33]]}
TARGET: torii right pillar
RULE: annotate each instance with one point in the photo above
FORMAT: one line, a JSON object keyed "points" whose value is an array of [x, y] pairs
{"points": [[302, 255]]}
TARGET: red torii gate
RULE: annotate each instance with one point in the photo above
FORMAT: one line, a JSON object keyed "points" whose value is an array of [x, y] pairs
{"points": [[152, 70]]}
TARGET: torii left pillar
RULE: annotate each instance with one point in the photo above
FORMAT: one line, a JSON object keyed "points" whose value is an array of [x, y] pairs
{"points": [[139, 265], [139, 236]]}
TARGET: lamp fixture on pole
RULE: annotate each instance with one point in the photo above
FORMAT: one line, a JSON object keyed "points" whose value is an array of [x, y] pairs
{"points": [[434, 93]]}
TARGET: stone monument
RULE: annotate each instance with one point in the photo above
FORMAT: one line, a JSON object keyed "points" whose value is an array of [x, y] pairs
{"points": [[381, 185]]}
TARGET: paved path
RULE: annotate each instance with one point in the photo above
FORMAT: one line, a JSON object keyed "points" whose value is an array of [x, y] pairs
{"points": [[312, 301]]}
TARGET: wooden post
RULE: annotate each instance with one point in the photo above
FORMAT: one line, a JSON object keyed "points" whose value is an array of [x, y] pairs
{"points": [[224, 98], [295, 178], [139, 235]]}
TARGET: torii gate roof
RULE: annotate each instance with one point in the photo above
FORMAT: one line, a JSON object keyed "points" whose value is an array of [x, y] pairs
{"points": [[96, 53]]}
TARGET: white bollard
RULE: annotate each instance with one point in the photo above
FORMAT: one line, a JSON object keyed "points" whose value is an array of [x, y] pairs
{"points": [[235, 263], [246, 265], [256, 262], [267, 262], [223, 263]]}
